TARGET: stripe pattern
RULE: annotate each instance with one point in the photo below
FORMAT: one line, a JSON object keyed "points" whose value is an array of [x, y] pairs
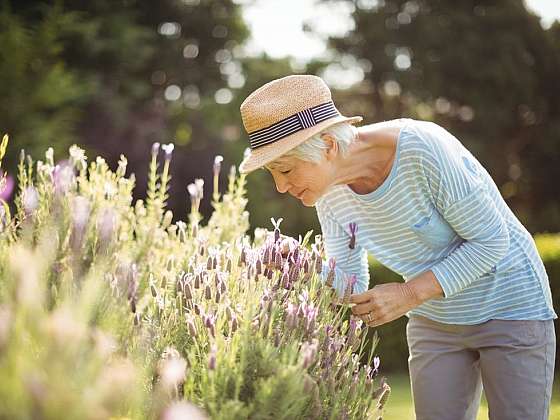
{"points": [[300, 121], [433, 212]]}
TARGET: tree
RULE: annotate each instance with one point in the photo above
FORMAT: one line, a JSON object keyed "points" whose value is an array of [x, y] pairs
{"points": [[487, 72], [136, 72], [40, 95]]}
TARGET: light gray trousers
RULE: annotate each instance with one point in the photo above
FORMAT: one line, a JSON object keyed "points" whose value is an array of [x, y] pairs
{"points": [[449, 365]]}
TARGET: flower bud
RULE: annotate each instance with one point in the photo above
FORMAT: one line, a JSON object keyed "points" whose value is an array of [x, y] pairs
{"points": [[212, 357], [234, 324], [217, 165], [168, 149], [155, 148], [191, 327], [318, 264]]}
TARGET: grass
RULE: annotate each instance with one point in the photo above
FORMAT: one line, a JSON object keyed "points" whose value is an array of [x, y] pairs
{"points": [[400, 407]]}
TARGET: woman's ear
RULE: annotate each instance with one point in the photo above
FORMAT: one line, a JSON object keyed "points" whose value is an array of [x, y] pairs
{"points": [[331, 144]]}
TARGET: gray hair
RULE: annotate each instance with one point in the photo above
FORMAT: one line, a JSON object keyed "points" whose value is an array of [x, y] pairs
{"points": [[311, 150]]}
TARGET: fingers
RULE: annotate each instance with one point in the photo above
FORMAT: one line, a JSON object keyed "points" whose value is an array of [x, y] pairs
{"points": [[362, 308], [360, 297]]}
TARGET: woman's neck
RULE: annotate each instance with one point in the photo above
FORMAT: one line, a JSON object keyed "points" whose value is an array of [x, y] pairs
{"points": [[369, 160]]}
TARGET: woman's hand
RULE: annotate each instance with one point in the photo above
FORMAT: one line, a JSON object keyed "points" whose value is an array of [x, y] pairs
{"points": [[389, 301], [384, 303]]}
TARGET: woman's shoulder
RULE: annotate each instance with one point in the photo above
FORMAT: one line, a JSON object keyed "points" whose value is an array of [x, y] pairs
{"points": [[385, 129]]}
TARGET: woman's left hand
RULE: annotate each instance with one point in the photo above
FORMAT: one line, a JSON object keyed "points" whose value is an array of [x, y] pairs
{"points": [[384, 303]]}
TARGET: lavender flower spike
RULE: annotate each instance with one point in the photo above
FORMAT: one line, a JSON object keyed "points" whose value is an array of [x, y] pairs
{"points": [[353, 229], [212, 357], [330, 276], [376, 363], [217, 164], [168, 149], [276, 224], [155, 148]]}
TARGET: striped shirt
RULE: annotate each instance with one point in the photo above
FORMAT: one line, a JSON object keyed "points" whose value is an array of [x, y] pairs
{"points": [[439, 210]]}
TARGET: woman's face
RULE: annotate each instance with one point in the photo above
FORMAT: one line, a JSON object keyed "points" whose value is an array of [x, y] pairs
{"points": [[307, 181]]}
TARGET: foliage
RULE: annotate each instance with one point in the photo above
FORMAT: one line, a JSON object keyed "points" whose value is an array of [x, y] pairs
{"points": [[108, 309], [98, 71], [40, 94]]}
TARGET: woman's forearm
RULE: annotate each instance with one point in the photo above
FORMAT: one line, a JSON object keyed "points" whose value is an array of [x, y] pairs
{"points": [[424, 287]]}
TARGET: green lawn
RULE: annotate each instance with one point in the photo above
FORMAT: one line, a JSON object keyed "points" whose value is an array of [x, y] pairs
{"points": [[399, 406]]}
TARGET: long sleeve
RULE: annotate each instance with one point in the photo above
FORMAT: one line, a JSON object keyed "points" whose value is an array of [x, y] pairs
{"points": [[461, 196], [348, 261]]}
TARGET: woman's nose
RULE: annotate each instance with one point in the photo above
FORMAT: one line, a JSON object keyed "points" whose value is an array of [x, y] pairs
{"points": [[281, 184]]}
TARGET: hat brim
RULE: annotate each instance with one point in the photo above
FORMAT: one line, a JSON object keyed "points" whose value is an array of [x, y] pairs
{"points": [[257, 158]]}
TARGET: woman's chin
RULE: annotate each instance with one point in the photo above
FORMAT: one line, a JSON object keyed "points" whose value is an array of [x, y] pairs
{"points": [[308, 200]]}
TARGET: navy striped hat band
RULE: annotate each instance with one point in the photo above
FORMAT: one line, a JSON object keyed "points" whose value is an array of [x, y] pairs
{"points": [[300, 121]]}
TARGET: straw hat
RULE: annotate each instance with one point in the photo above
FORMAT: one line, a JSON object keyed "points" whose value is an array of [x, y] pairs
{"points": [[284, 113]]}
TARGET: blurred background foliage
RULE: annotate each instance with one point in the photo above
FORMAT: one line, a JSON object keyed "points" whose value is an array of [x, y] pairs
{"points": [[116, 76]]}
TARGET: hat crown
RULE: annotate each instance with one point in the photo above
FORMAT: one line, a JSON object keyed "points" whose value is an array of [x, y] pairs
{"points": [[282, 98]]}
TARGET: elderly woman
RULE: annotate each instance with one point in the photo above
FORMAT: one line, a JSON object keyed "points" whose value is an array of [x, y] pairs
{"points": [[408, 192]]}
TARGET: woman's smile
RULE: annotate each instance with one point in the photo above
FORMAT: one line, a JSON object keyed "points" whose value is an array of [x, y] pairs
{"points": [[300, 195]]}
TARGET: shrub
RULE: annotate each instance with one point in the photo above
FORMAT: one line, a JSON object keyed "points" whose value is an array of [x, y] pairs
{"points": [[108, 309]]}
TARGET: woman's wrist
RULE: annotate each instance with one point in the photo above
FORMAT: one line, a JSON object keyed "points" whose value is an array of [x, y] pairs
{"points": [[423, 288]]}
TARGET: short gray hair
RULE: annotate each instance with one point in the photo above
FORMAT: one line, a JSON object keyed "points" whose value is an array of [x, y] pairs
{"points": [[311, 150]]}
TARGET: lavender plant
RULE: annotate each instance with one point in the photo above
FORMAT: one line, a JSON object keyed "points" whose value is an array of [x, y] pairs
{"points": [[108, 309]]}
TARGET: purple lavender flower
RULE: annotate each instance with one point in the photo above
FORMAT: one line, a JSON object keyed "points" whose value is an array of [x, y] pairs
{"points": [[188, 291], [63, 177], [310, 317], [210, 323], [330, 276], [376, 363], [132, 290], [80, 211], [306, 266], [308, 352], [153, 290], [268, 255], [285, 281], [106, 222], [353, 229], [295, 255], [243, 257], [212, 357], [352, 281], [276, 224], [278, 260], [291, 315], [234, 324], [207, 292], [318, 263], [30, 200], [6, 186]]}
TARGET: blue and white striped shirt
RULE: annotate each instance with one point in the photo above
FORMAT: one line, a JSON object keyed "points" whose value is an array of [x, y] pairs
{"points": [[439, 210]]}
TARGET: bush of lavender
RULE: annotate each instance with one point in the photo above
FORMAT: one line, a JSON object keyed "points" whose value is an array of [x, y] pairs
{"points": [[108, 309]]}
